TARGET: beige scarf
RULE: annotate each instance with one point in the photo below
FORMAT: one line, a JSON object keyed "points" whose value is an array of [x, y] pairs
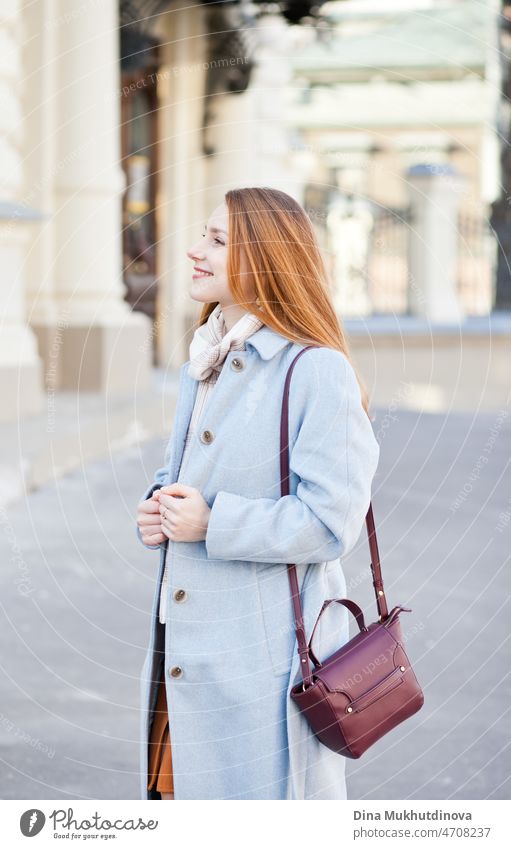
{"points": [[212, 342]]}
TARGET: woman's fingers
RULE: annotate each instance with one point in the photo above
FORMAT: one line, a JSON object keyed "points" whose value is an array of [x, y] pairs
{"points": [[149, 506], [153, 539], [149, 522], [150, 529], [147, 516]]}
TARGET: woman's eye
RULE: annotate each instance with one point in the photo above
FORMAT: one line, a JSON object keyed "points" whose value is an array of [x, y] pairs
{"points": [[218, 241]]}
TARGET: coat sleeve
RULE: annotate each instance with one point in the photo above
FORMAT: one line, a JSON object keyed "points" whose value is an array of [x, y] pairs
{"points": [[335, 455]]}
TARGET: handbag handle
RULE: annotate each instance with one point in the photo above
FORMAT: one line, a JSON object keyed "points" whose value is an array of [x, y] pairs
{"points": [[303, 648], [352, 607], [359, 616]]}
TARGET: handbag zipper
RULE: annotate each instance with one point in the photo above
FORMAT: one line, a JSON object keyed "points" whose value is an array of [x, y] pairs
{"points": [[355, 704]]}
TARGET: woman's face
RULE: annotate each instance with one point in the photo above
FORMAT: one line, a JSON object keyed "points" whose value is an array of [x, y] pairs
{"points": [[210, 255]]}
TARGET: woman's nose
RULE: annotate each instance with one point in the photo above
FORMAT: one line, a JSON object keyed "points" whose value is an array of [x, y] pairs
{"points": [[194, 252]]}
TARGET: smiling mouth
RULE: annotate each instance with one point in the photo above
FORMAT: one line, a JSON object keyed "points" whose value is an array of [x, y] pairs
{"points": [[202, 274]]}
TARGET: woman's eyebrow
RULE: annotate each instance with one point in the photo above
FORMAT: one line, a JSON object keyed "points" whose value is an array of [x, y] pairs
{"points": [[214, 229]]}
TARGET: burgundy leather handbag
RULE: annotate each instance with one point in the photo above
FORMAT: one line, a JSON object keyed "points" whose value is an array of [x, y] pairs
{"points": [[367, 686]]}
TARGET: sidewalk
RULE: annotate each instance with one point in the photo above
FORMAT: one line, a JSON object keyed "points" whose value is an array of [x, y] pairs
{"points": [[75, 599], [77, 428]]}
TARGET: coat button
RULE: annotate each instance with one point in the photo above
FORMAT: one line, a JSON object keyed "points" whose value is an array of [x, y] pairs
{"points": [[207, 436], [176, 671], [237, 364], [180, 595]]}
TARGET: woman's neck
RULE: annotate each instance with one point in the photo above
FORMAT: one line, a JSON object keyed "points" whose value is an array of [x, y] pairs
{"points": [[232, 314]]}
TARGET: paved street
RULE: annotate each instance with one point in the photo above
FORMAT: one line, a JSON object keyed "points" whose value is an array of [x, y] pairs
{"points": [[76, 589]]}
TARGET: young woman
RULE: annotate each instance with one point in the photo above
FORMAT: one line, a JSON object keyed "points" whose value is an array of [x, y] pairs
{"points": [[217, 719]]}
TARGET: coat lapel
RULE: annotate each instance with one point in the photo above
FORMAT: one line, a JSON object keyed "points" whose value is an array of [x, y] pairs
{"points": [[184, 406]]}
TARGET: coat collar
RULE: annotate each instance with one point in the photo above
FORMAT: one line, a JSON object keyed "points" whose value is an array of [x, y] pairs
{"points": [[267, 342]]}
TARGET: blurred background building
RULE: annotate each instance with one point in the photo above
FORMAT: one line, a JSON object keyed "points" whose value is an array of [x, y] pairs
{"points": [[399, 106], [125, 121]]}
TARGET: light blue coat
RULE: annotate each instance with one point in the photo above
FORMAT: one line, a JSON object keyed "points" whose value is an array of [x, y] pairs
{"points": [[235, 732]]}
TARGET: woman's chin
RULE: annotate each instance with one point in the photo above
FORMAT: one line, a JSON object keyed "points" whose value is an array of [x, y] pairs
{"points": [[201, 294]]}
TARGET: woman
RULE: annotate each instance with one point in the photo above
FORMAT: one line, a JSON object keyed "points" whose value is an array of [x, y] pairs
{"points": [[222, 655]]}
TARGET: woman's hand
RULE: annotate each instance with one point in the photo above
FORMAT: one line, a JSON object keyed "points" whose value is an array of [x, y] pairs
{"points": [[149, 521], [184, 513]]}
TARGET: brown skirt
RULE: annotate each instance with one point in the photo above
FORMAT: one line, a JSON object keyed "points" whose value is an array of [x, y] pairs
{"points": [[160, 773]]}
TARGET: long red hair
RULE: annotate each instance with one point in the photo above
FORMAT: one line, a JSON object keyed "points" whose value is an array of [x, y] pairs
{"points": [[272, 245]]}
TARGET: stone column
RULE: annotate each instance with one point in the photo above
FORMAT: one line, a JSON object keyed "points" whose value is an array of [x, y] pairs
{"points": [[101, 342], [250, 135], [268, 158], [183, 210], [20, 366], [435, 191]]}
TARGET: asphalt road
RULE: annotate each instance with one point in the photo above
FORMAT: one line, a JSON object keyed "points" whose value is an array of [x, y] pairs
{"points": [[76, 589]]}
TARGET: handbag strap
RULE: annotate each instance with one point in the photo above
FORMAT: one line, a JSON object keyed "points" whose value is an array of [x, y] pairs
{"points": [[303, 649]]}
